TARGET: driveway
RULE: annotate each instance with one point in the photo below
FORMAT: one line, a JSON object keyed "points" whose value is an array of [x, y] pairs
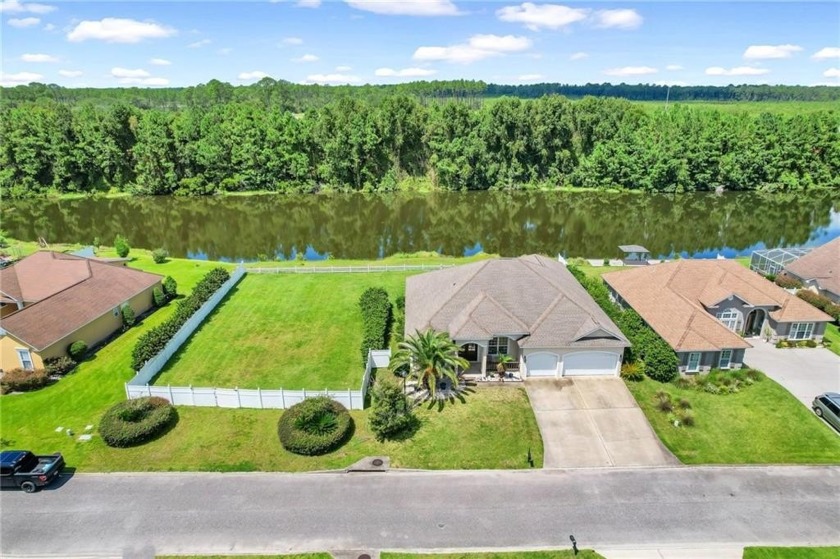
{"points": [[593, 422], [805, 372]]}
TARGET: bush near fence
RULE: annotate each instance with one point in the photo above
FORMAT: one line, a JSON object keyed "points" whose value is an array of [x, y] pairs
{"points": [[376, 319]]}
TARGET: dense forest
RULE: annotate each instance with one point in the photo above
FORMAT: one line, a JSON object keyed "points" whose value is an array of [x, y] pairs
{"points": [[355, 144]]}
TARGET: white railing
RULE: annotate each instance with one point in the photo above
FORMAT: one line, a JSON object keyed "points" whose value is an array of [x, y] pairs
{"points": [[349, 269], [258, 398], [154, 365]]}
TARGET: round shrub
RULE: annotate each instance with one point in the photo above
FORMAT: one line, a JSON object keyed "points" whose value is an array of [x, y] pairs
{"points": [[121, 246], [633, 371], [170, 287], [128, 317], [159, 255], [77, 350], [314, 426], [135, 422], [20, 380], [158, 297], [59, 365]]}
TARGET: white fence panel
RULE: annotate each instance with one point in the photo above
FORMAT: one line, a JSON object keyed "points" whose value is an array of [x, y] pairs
{"points": [[227, 398], [204, 397], [244, 398]]}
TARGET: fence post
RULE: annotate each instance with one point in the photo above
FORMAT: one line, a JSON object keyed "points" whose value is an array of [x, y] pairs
{"points": [[283, 398], [238, 398], [304, 394], [350, 397], [171, 397], [149, 390], [192, 395], [259, 395]]}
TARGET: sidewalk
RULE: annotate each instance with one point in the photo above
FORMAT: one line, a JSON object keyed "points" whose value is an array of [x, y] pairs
{"points": [[675, 552]]}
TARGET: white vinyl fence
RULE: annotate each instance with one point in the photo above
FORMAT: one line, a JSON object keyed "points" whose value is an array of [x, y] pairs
{"points": [[257, 398], [349, 269]]}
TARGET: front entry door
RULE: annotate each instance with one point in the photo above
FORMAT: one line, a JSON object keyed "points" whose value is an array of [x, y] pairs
{"points": [[469, 352]]}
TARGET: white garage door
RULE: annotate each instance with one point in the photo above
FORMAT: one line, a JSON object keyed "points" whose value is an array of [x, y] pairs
{"points": [[589, 363], [542, 364]]}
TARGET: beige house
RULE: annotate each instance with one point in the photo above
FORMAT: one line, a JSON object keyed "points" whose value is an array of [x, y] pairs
{"points": [[819, 270], [529, 308], [708, 309], [49, 300]]}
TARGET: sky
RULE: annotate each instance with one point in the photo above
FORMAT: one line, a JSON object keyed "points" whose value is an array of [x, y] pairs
{"points": [[165, 43]]}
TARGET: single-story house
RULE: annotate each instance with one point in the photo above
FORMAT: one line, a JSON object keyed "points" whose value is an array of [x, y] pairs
{"points": [[49, 300], [705, 309], [819, 270], [771, 261], [529, 308]]}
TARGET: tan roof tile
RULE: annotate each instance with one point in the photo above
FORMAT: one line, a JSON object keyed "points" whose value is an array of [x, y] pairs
{"points": [[821, 265]]}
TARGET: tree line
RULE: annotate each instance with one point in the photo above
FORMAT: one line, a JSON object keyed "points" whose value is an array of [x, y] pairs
{"points": [[355, 145]]}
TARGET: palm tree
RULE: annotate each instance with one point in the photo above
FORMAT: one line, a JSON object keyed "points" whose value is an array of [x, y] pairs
{"points": [[429, 357]]}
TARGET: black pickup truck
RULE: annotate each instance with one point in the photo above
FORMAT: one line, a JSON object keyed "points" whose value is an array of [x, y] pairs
{"points": [[21, 468]]}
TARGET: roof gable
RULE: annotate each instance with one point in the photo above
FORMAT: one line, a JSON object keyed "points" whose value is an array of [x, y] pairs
{"points": [[821, 265]]}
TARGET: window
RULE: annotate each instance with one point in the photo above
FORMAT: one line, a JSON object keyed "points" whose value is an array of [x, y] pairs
{"points": [[729, 317], [25, 359], [498, 346], [801, 330], [725, 359], [693, 363]]}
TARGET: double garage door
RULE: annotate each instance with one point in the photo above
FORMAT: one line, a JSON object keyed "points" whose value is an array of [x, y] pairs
{"points": [[586, 363]]}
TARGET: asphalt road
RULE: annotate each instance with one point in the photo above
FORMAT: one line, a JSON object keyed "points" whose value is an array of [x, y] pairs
{"points": [[138, 515]]}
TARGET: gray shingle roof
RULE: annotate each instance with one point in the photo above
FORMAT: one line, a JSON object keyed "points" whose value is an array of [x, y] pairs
{"points": [[532, 298]]}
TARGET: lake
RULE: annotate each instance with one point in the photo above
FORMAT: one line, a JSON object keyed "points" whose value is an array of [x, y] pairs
{"points": [[365, 226]]}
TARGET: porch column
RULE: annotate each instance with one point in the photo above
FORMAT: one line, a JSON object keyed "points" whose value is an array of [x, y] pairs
{"points": [[483, 351]]}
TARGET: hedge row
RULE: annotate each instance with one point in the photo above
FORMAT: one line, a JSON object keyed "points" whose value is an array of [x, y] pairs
{"points": [[821, 302], [376, 319], [134, 422], [152, 342], [660, 361], [786, 282], [314, 426], [19, 380]]}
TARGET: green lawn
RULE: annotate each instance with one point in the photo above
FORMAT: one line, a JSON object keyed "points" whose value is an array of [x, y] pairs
{"points": [[791, 552], [762, 424], [832, 334], [565, 554], [282, 330]]}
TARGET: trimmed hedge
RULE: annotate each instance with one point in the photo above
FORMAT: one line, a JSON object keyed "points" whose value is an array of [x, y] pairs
{"points": [[19, 380], [77, 350], [152, 342], [314, 426], [377, 315], [159, 255], [821, 302], [391, 414], [135, 422], [398, 324], [159, 297], [786, 282], [128, 317], [170, 287]]}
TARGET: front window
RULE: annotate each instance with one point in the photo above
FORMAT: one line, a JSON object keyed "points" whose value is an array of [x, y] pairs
{"points": [[25, 358], [693, 363], [729, 317], [498, 346], [801, 330], [725, 359]]}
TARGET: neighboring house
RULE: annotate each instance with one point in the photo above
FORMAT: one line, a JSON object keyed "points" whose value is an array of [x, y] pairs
{"points": [[530, 308], [634, 255], [705, 308], [50, 300], [819, 270]]}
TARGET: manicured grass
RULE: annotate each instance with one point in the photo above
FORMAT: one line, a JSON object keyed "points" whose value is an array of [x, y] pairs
{"points": [[282, 330], [565, 554], [292, 556], [598, 271], [399, 259], [762, 424], [832, 334], [791, 552]]}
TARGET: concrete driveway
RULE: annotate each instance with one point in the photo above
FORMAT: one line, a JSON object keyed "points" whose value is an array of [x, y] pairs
{"points": [[592, 422], [805, 372]]}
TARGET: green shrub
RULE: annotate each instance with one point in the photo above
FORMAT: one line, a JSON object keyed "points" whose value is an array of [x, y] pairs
{"points": [[391, 413], [134, 422], [687, 420], [664, 403], [314, 426], [128, 317], [821, 302], [781, 344], [810, 343], [59, 365], [20, 380], [376, 319], [711, 388], [685, 383], [121, 246], [660, 361], [170, 287], [684, 404], [786, 282], [159, 255], [77, 350], [159, 297], [633, 371], [155, 339]]}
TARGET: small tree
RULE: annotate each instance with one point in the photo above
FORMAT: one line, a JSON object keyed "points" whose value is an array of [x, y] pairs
{"points": [[170, 287], [128, 317], [661, 362], [159, 297], [77, 350], [159, 255], [121, 246], [429, 356], [391, 413]]}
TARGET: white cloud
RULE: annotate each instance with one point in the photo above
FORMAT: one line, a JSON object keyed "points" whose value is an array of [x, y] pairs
{"points": [[249, 76], [343, 68], [832, 73], [579, 56], [738, 71], [24, 22], [331, 78], [673, 67], [38, 58], [127, 73], [549, 16], [49, 27], [620, 19], [70, 73], [15, 7], [827, 53], [159, 62], [631, 71], [762, 52], [478, 47], [119, 30], [199, 44], [144, 81], [306, 58], [406, 7], [530, 77], [292, 41], [404, 73], [224, 51], [308, 3], [11, 80]]}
